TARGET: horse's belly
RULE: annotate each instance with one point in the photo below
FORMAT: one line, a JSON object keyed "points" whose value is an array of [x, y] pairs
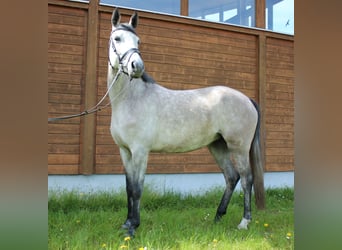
{"points": [[180, 144]]}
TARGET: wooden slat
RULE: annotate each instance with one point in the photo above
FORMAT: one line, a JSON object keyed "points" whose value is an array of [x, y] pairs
{"points": [[63, 159], [279, 119], [63, 139], [274, 143], [55, 128], [65, 38], [280, 127], [107, 159], [67, 8], [69, 49], [191, 168], [65, 58], [276, 167], [72, 89], [117, 169], [287, 135], [65, 17], [63, 149], [107, 150], [280, 151], [286, 112], [65, 29], [63, 108], [58, 78], [65, 68], [63, 169], [280, 160]]}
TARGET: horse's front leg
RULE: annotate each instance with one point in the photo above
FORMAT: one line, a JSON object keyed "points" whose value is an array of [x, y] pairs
{"points": [[135, 163]]}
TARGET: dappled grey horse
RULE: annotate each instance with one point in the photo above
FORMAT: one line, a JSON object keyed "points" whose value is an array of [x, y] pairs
{"points": [[147, 117]]}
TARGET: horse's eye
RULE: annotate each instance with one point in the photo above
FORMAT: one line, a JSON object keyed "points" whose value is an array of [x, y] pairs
{"points": [[117, 38]]}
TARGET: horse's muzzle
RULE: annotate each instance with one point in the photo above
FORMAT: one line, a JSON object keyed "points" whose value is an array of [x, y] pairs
{"points": [[135, 66], [137, 69]]}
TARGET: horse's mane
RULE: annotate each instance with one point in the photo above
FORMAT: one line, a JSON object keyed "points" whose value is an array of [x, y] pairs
{"points": [[147, 78]]}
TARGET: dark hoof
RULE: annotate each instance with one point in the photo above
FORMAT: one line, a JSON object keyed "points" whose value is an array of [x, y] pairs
{"points": [[126, 225], [130, 230], [217, 218]]}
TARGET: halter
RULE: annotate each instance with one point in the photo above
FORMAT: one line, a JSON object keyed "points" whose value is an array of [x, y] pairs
{"points": [[128, 53]]}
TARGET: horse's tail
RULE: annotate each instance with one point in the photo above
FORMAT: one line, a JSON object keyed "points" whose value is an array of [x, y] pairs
{"points": [[256, 165]]}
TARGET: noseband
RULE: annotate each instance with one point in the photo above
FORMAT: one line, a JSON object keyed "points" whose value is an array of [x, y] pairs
{"points": [[127, 54]]}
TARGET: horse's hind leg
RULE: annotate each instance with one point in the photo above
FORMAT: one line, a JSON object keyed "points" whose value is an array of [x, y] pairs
{"points": [[240, 160], [220, 152]]}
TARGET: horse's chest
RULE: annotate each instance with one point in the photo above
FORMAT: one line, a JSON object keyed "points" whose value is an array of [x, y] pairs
{"points": [[127, 129], [120, 129]]}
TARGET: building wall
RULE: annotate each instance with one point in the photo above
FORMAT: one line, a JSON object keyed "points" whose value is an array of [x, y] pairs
{"points": [[179, 53], [67, 31]]}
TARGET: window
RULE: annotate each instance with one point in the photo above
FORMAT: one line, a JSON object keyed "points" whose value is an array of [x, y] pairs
{"points": [[280, 16], [240, 12], [163, 6]]}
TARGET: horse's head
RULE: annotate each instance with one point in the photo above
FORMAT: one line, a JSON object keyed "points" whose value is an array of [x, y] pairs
{"points": [[124, 46]]}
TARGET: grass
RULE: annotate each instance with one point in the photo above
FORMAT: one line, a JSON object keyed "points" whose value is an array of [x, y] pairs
{"points": [[168, 221]]}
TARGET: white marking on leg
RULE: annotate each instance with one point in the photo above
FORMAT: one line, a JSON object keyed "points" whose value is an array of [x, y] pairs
{"points": [[244, 224]]}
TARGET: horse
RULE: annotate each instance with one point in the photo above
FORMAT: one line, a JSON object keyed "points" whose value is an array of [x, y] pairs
{"points": [[147, 117]]}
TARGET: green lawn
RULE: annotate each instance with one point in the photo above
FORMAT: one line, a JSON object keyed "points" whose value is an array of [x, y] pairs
{"points": [[169, 221]]}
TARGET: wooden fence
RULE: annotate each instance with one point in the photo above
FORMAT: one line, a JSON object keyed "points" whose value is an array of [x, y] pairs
{"points": [[180, 53]]}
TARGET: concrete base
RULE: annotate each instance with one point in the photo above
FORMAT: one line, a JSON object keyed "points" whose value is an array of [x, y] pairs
{"points": [[179, 183]]}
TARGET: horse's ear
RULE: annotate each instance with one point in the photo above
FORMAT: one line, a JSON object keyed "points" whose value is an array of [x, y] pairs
{"points": [[116, 17], [134, 20]]}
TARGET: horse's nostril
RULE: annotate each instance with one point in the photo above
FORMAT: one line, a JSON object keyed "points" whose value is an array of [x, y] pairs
{"points": [[137, 68]]}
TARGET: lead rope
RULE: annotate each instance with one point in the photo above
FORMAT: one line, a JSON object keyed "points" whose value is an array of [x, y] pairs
{"points": [[94, 109]]}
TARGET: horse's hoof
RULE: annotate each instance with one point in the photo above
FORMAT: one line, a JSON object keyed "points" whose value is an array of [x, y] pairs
{"points": [[217, 219], [126, 225], [131, 232], [243, 224]]}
